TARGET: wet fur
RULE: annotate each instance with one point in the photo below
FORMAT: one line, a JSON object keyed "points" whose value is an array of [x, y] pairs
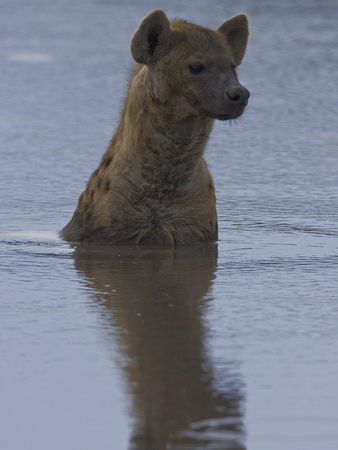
{"points": [[153, 185]]}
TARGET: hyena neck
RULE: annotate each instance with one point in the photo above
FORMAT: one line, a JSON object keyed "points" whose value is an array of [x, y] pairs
{"points": [[156, 136]]}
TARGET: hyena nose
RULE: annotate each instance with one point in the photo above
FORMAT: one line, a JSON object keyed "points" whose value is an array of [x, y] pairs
{"points": [[238, 94]]}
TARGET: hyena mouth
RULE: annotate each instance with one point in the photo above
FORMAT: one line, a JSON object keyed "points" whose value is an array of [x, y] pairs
{"points": [[228, 116]]}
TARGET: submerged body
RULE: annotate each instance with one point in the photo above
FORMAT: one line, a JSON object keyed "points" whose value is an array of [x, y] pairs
{"points": [[153, 185]]}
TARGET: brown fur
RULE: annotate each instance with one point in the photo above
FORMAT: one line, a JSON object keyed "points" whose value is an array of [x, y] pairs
{"points": [[153, 185]]}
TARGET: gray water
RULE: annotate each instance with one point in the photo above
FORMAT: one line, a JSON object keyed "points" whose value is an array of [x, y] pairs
{"points": [[232, 346]]}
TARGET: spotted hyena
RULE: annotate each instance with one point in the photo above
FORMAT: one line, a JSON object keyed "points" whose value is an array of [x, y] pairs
{"points": [[153, 185]]}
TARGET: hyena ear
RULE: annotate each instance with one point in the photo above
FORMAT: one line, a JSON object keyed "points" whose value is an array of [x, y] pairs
{"points": [[148, 43], [236, 31]]}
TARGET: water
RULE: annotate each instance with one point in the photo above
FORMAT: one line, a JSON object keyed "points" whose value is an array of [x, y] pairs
{"points": [[232, 346]]}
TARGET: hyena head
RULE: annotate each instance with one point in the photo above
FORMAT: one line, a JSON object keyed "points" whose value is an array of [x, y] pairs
{"points": [[193, 69]]}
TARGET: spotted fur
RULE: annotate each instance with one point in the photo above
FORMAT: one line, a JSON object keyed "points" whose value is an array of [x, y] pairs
{"points": [[153, 185]]}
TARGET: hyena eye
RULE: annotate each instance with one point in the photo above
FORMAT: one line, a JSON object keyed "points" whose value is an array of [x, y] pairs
{"points": [[196, 68]]}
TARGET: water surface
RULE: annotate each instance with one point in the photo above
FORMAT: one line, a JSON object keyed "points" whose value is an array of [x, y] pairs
{"points": [[231, 346]]}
